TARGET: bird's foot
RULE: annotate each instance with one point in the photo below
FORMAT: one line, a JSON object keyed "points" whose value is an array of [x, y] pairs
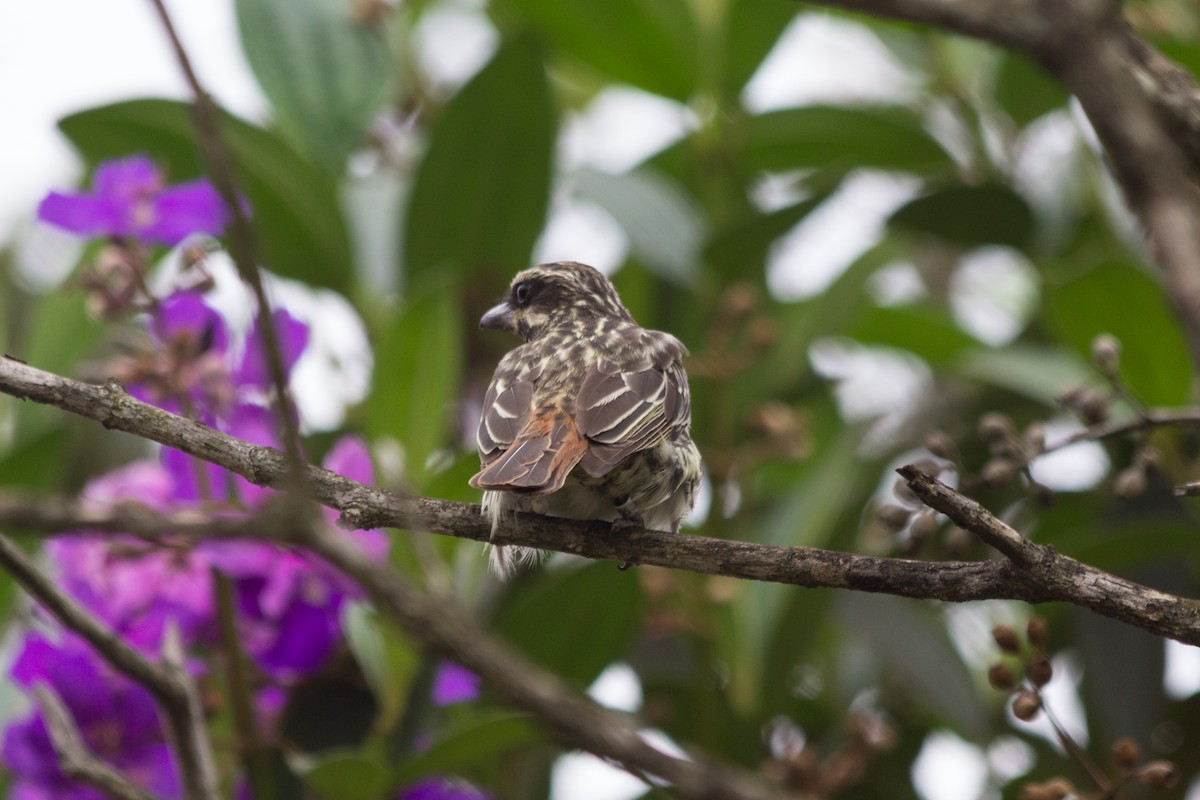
{"points": [[628, 521]]}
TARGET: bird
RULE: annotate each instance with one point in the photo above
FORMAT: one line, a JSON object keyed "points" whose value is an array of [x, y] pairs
{"points": [[588, 419]]}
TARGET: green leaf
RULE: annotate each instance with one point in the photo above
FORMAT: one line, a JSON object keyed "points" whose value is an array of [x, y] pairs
{"points": [[833, 312], [386, 657], [969, 216], [480, 194], [829, 137], [1037, 372], [347, 776], [416, 384], [296, 216], [325, 72], [745, 244], [1025, 91], [917, 655], [926, 331], [574, 621], [752, 27], [651, 44], [467, 746], [806, 517], [1119, 298], [663, 223]]}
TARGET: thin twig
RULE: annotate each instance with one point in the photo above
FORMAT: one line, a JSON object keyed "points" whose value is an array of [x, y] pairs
{"points": [[171, 686], [76, 760], [243, 247], [1058, 576]]}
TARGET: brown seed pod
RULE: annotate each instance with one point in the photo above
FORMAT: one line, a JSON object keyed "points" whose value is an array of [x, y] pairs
{"points": [[925, 526], [893, 516], [1026, 706], [1159, 774], [995, 425], [1042, 495], [1006, 638], [1001, 678], [1094, 409], [1126, 753], [1058, 788], [1039, 671], [998, 472], [940, 444], [1035, 631], [1130, 483], [1106, 353]]}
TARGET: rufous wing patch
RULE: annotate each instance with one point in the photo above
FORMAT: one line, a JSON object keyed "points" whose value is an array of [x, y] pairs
{"points": [[539, 458]]}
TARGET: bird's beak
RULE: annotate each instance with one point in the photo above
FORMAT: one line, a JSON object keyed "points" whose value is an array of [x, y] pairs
{"points": [[500, 318]]}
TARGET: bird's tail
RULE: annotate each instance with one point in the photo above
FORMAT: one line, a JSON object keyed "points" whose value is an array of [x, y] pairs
{"points": [[506, 561]]}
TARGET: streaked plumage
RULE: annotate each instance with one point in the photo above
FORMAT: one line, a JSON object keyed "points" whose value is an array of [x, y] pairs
{"points": [[590, 418]]}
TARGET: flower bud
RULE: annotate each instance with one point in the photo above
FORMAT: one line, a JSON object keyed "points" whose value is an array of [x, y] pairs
{"points": [[1026, 706], [893, 516], [1130, 483], [1042, 495], [904, 491], [940, 444], [1001, 678], [956, 540], [1035, 631], [1058, 788], [763, 332], [998, 472], [1158, 774], [995, 425], [1094, 409], [924, 526], [1126, 753], [1006, 638], [1039, 671], [1035, 437], [1106, 353]]}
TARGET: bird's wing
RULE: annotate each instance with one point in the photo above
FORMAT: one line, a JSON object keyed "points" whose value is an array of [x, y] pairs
{"points": [[625, 408], [523, 450]]}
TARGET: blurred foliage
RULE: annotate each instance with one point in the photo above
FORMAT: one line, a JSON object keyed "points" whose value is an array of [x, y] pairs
{"points": [[478, 168]]}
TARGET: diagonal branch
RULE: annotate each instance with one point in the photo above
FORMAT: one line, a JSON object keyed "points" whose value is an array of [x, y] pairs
{"points": [[168, 681], [1145, 110], [1062, 577], [74, 757], [1028, 575], [568, 715], [243, 247]]}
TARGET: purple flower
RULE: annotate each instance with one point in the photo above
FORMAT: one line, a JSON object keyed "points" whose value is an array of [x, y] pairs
{"points": [[133, 585], [116, 717], [443, 789], [454, 683], [129, 198], [290, 602]]}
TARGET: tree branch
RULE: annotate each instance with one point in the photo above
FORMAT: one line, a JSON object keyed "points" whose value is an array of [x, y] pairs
{"points": [[1060, 576], [76, 760], [571, 717], [1139, 103], [370, 507], [243, 247], [168, 681]]}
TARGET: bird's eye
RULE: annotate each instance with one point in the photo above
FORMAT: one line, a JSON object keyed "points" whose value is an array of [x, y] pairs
{"points": [[522, 292]]}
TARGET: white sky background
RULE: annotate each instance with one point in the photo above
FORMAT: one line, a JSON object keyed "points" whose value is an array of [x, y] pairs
{"points": [[62, 56]]}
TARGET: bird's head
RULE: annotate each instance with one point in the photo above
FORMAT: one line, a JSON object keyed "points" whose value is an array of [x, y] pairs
{"points": [[550, 296]]}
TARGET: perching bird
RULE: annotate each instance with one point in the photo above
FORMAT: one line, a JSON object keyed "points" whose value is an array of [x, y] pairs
{"points": [[589, 419]]}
